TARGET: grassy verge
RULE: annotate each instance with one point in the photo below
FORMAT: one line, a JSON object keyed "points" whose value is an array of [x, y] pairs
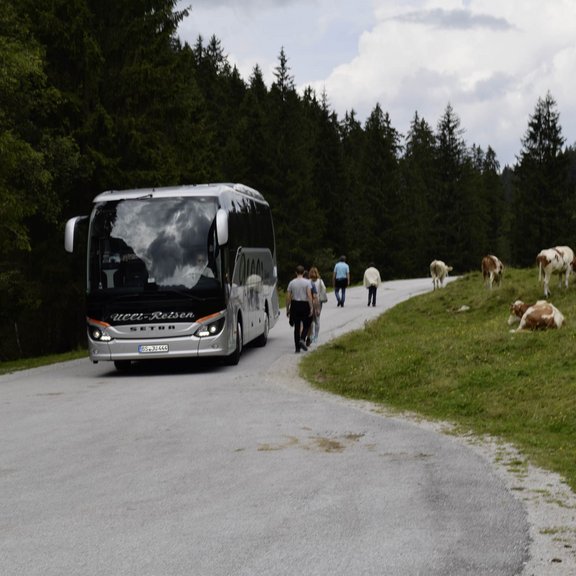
{"points": [[14, 366], [429, 356]]}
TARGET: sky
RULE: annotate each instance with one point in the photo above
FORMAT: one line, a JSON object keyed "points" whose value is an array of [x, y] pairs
{"points": [[490, 60]]}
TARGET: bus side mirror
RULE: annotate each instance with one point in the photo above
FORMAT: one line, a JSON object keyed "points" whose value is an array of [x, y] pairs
{"points": [[222, 226], [69, 232]]}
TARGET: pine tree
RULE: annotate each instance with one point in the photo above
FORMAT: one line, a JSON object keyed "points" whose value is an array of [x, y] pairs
{"points": [[295, 206], [380, 186], [451, 207], [498, 209], [542, 198], [327, 183], [413, 230], [27, 199], [140, 91], [347, 219], [251, 162]]}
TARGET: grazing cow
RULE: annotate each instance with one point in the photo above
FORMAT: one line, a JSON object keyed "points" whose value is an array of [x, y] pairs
{"points": [[538, 316], [439, 271], [556, 260], [492, 269]]}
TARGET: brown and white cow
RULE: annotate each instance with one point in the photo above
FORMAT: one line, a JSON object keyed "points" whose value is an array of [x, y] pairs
{"points": [[538, 316], [439, 271], [557, 260], [492, 270]]}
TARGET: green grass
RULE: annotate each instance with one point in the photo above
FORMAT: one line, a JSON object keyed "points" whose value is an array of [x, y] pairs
{"points": [[466, 367], [16, 365]]}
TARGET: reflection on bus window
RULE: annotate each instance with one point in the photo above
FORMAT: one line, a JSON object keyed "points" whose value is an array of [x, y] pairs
{"points": [[166, 242]]}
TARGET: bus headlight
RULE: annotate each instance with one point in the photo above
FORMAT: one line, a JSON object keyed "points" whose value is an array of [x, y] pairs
{"points": [[210, 328], [98, 334]]}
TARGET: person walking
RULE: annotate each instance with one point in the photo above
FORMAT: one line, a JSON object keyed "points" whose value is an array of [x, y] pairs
{"points": [[372, 281], [341, 280], [319, 298], [306, 336], [299, 307]]}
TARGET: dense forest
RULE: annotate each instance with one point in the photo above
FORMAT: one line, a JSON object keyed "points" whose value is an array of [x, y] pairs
{"points": [[101, 94]]}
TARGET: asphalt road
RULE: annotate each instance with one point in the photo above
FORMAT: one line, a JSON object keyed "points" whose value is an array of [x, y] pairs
{"points": [[201, 470]]}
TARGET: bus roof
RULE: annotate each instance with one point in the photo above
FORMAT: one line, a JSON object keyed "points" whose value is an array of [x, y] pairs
{"points": [[179, 191]]}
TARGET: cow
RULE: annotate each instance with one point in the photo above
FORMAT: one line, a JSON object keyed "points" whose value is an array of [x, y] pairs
{"points": [[439, 270], [492, 270], [538, 316], [557, 260]]}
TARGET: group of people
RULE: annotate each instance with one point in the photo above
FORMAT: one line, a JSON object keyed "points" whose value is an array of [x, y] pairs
{"points": [[306, 293], [305, 296]]}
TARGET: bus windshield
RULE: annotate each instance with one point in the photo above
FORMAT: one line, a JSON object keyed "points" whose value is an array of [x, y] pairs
{"points": [[159, 243]]}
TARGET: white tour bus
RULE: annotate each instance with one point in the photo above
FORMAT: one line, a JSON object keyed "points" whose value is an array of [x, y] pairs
{"points": [[186, 271]]}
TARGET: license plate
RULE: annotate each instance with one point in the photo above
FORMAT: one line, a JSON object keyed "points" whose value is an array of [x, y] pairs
{"points": [[148, 348]]}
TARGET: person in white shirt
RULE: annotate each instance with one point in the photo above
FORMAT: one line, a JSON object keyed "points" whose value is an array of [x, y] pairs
{"points": [[299, 307], [372, 281]]}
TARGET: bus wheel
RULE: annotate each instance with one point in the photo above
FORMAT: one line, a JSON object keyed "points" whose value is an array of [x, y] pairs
{"points": [[263, 338], [234, 358], [122, 365]]}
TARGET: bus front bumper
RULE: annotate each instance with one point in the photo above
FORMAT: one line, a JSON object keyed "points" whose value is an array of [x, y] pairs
{"points": [[147, 349]]}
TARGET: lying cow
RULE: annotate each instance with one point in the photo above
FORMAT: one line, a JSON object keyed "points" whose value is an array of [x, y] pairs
{"points": [[538, 316], [556, 260], [439, 271], [492, 270]]}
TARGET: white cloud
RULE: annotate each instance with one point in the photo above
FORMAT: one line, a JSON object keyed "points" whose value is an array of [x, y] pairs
{"points": [[458, 19], [490, 59]]}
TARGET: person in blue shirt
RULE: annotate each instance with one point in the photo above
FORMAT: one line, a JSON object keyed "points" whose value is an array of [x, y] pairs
{"points": [[341, 280]]}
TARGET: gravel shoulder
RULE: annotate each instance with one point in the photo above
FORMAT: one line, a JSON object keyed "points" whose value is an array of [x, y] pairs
{"points": [[549, 502]]}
